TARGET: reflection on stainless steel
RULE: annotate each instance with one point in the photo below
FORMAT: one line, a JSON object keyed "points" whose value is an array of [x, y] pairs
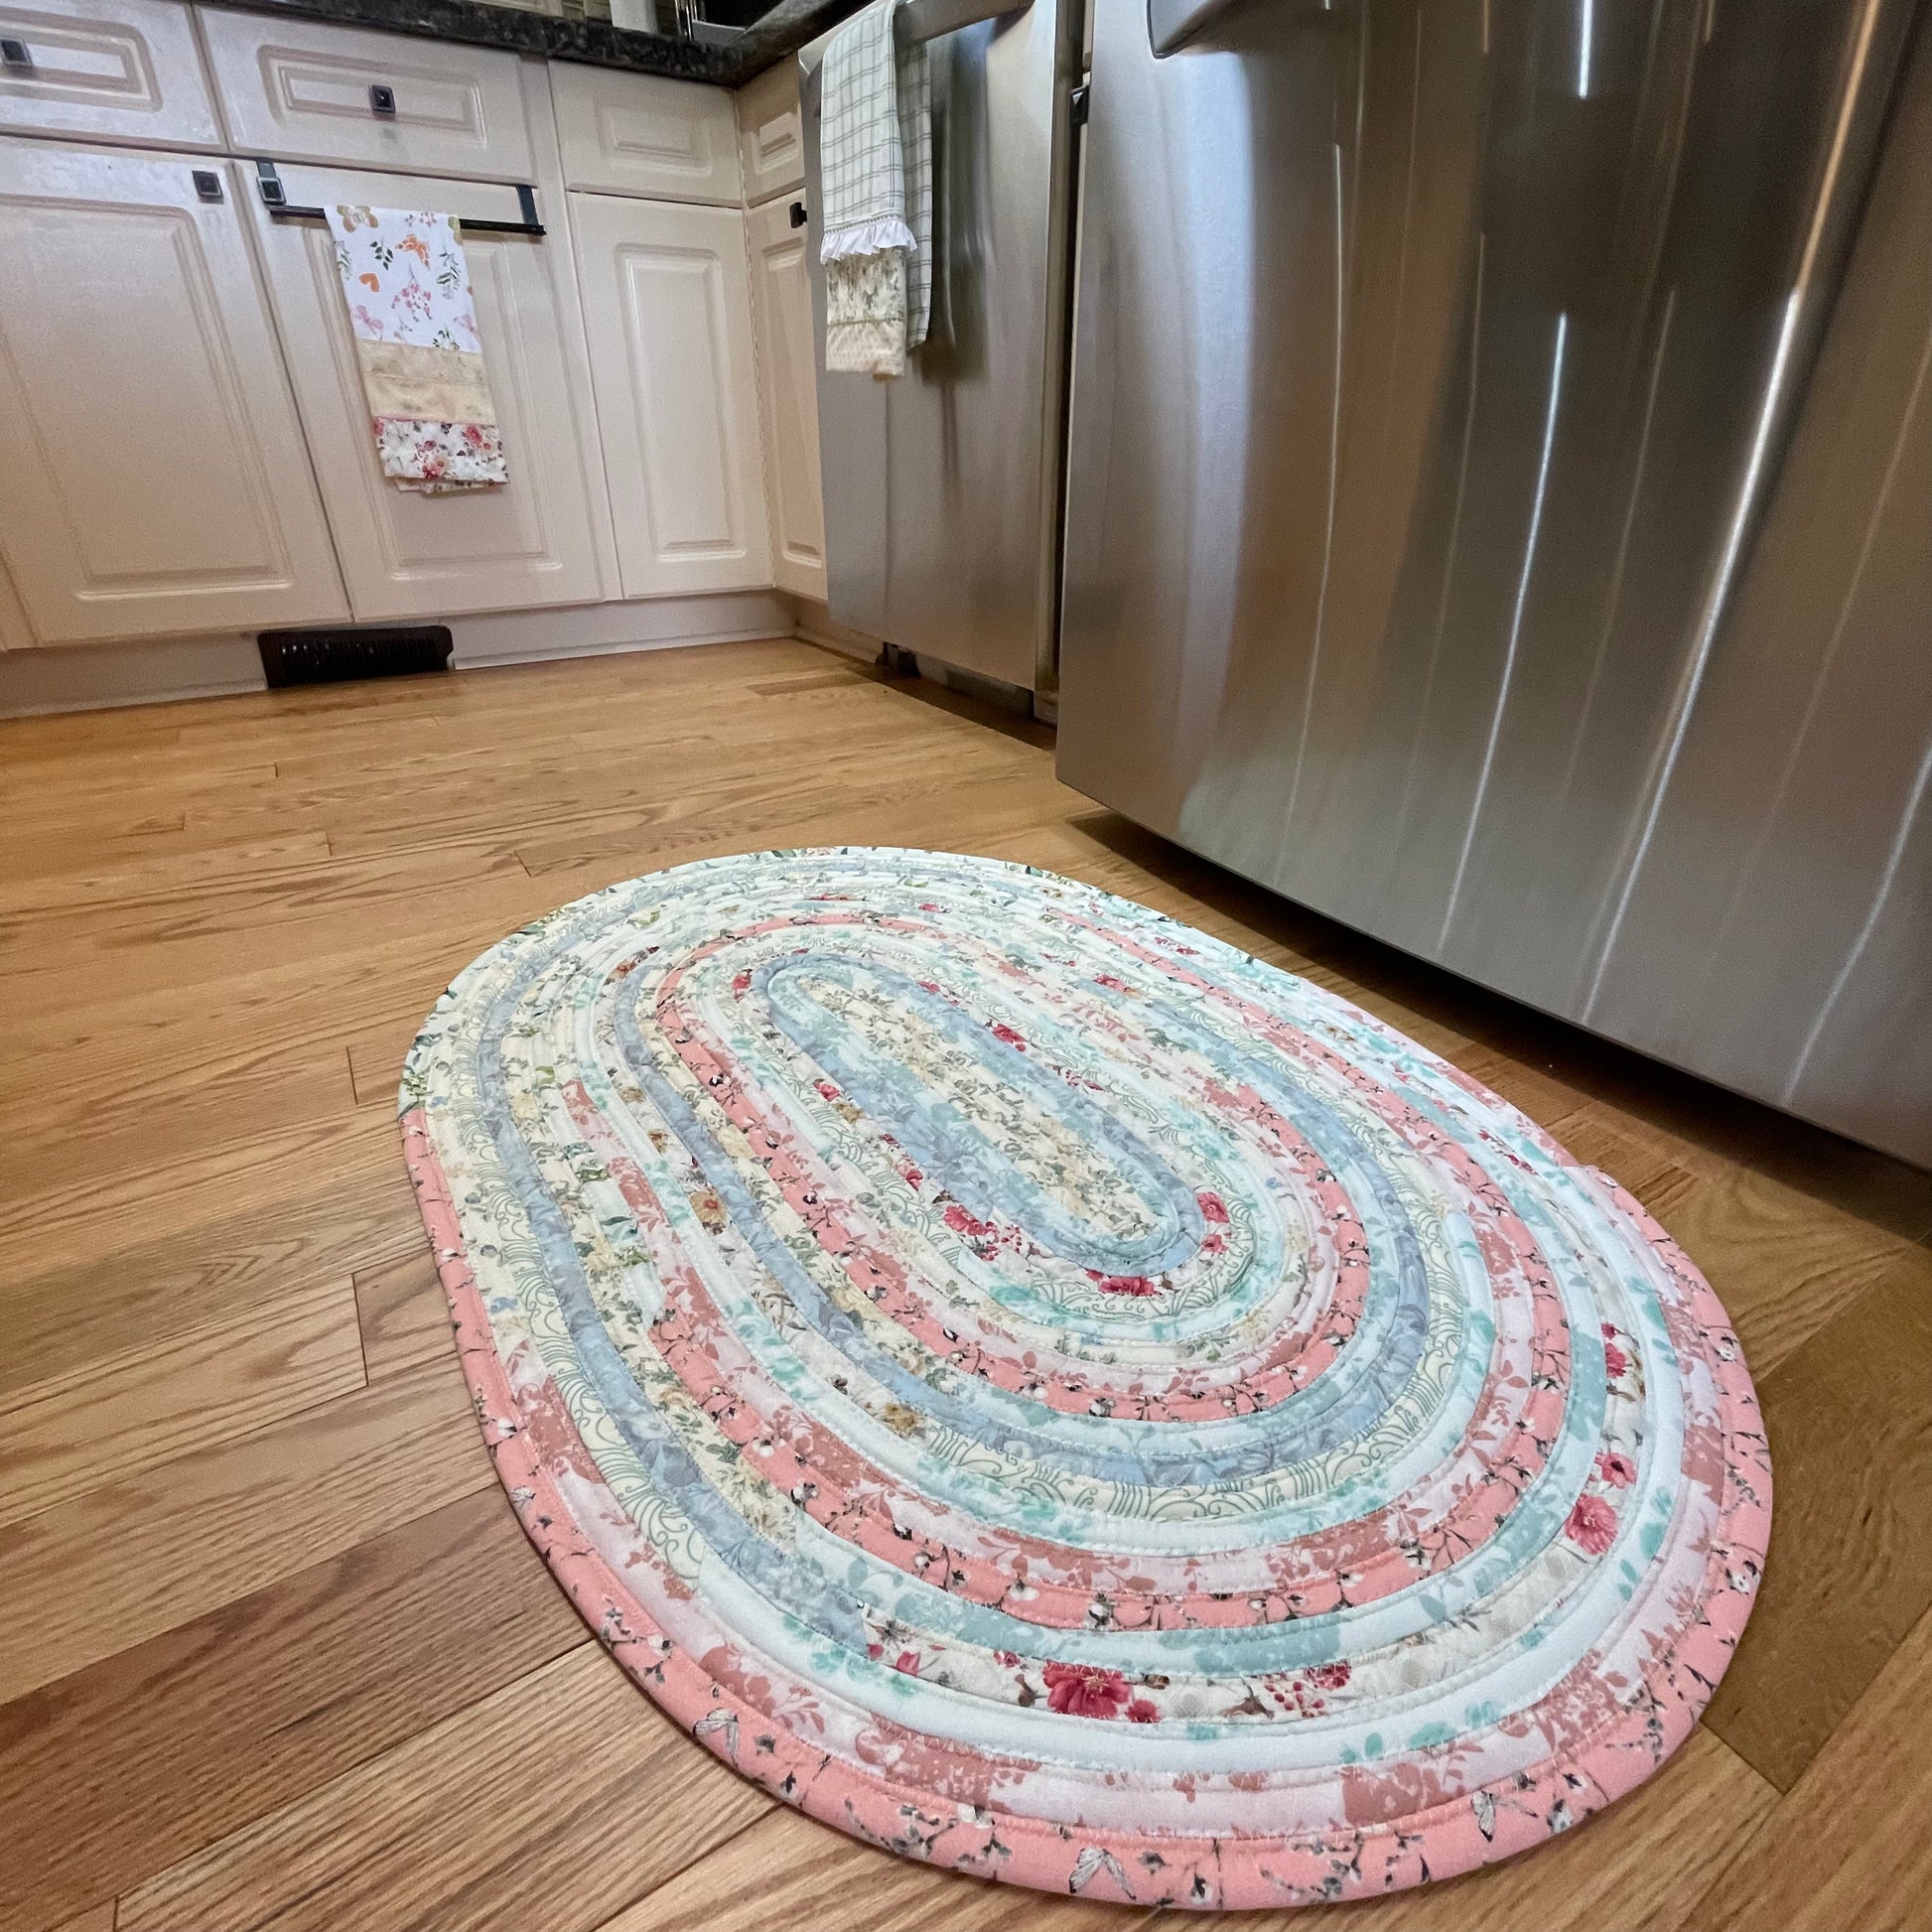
{"points": [[941, 487], [1501, 504], [1484, 770]]}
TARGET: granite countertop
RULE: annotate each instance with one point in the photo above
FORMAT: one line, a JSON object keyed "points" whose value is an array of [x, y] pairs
{"points": [[785, 29]]}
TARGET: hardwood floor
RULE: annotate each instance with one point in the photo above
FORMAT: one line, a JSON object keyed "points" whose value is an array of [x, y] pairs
{"points": [[277, 1653]]}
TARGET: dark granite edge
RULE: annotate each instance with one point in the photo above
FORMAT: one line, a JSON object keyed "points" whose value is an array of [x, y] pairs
{"points": [[592, 43]]}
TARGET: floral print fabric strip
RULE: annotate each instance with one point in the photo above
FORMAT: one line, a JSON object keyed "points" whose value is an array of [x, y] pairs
{"points": [[1053, 1396], [410, 307]]}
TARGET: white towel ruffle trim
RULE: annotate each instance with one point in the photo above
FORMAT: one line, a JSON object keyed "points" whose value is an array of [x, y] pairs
{"points": [[871, 237]]}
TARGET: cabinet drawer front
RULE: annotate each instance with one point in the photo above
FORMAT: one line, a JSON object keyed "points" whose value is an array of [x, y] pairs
{"points": [[528, 543], [637, 134], [300, 91], [771, 138], [107, 70], [110, 261]]}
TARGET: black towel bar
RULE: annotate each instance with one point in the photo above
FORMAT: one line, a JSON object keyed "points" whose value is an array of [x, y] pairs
{"points": [[275, 197]]}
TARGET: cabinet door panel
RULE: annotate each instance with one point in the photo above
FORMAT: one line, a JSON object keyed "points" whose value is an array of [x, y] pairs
{"points": [[405, 554], [155, 479], [669, 309], [298, 90], [107, 70], [639, 134], [782, 308]]}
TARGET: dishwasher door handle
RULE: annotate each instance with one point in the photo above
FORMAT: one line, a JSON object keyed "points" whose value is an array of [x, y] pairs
{"points": [[928, 20], [1171, 24]]}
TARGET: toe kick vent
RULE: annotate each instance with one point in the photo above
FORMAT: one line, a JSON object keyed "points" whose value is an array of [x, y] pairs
{"points": [[333, 656]]}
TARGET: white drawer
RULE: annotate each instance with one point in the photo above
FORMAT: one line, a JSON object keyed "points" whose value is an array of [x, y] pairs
{"points": [[637, 134], [108, 70], [300, 91], [770, 134]]}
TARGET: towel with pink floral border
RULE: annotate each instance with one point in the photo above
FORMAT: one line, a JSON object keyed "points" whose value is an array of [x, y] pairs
{"points": [[407, 287]]}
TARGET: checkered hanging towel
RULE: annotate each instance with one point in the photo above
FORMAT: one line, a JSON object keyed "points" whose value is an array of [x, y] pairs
{"points": [[876, 187]]}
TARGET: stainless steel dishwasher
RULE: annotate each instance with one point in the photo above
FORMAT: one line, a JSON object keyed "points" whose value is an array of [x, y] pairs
{"points": [[942, 487], [1499, 501]]}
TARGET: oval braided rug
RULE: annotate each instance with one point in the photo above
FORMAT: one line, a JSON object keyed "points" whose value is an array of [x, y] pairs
{"points": [[1053, 1396]]}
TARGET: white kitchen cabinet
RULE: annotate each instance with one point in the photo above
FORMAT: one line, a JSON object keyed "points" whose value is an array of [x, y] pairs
{"points": [[667, 308], [781, 314], [105, 71], [771, 134], [637, 134], [404, 554], [154, 479], [300, 90]]}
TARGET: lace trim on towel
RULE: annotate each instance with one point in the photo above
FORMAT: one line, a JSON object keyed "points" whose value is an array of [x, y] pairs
{"points": [[871, 237]]}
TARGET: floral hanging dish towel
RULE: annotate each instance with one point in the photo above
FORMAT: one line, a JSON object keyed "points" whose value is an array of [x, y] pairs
{"points": [[407, 287]]}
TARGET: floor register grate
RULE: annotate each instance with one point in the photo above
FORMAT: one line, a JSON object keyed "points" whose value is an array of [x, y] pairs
{"points": [[333, 656]]}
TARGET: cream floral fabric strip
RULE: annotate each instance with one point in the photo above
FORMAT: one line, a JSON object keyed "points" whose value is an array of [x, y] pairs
{"points": [[865, 313], [407, 287]]}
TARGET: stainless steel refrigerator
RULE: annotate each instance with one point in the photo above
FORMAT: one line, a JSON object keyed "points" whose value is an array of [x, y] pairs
{"points": [[1500, 502]]}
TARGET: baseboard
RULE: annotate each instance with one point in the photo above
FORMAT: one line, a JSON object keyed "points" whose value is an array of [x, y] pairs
{"points": [[156, 670], [100, 677], [813, 623], [599, 629]]}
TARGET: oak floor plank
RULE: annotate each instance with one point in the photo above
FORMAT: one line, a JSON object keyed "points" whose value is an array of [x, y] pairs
{"points": [[156, 872], [154, 1753], [566, 735], [82, 1218], [121, 1416], [58, 735], [1848, 1846], [811, 1877], [130, 792], [138, 1289], [100, 1919], [249, 900], [162, 1040], [375, 1061], [131, 1559], [1432, 1033], [914, 809], [549, 1802], [325, 935], [746, 789], [1073, 846], [403, 1314], [1596, 1135], [1849, 1571], [346, 722], [44, 853], [1784, 1263], [225, 1094]]}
